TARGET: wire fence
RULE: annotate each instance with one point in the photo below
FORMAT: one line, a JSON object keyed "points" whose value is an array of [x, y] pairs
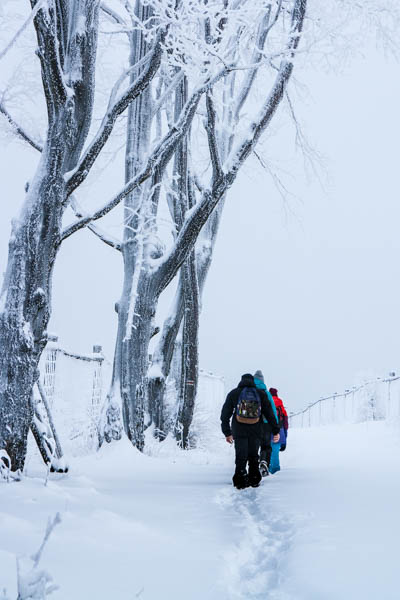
{"points": [[75, 387], [372, 400]]}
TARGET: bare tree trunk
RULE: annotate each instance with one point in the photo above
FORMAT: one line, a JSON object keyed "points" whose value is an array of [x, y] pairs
{"points": [[27, 292], [190, 353], [129, 361], [25, 301], [187, 303], [161, 364]]}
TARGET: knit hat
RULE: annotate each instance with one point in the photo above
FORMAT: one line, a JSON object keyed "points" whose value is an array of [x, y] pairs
{"points": [[258, 375], [273, 391]]}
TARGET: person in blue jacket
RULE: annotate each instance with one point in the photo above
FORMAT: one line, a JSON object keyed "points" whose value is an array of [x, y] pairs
{"points": [[266, 442]]}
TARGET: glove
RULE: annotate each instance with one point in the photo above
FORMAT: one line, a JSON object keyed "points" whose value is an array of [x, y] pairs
{"points": [[282, 448]]}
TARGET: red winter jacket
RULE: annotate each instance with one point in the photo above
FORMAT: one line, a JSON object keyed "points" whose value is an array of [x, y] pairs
{"points": [[281, 410]]}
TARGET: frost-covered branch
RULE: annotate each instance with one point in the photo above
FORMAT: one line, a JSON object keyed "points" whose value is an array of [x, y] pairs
{"points": [[171, 87], [198, 215], [108, 240], [124, 75], [160, 156], [37, 583], [264, 29], [212, 137], [18, 129], [49, 529], [114, 16], [79, 174], [104, 237], [195, 219], [239, 155]]}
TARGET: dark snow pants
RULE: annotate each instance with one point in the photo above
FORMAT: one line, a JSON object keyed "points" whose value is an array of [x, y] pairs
{"points": [[266, 447], [247, 440]]}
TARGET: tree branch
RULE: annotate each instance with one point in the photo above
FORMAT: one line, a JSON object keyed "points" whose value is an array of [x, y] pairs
{"points": [[212, 137], [263, 32], [20, 131], [109, 241], [195, 220], [114, 16], [275, 96], [198, 215], [159, 157], [113, 242], [48, 52], [79, 174]]}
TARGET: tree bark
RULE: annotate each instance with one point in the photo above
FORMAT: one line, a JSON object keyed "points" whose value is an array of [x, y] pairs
{"points": [[134, 307], [25, 301], [190, 353]]}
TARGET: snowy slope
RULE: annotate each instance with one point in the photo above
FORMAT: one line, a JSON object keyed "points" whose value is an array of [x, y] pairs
{"points": [[171, 525]]}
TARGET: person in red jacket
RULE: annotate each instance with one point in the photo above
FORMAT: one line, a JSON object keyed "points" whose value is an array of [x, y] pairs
{"points": [[282, 417]]}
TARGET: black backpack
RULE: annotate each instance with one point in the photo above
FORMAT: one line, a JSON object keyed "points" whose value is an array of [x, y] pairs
{"points": [[248, 408], [280, 416]]}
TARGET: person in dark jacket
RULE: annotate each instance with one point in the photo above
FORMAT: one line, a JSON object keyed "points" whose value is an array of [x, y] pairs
{"points": [[246, 436]]}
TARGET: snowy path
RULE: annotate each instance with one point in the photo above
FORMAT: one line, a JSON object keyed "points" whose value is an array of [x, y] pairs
{"points": [[325, 528]]}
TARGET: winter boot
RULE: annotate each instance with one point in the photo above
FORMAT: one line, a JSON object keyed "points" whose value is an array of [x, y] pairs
{"points": [[240, 480], [264, 469], [254, 474]]}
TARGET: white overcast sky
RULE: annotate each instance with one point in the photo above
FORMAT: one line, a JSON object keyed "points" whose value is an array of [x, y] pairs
{"points": [[306, 290]]}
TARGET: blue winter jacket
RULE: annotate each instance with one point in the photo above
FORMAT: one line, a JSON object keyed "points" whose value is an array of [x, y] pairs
{"points": [[261, 386]]}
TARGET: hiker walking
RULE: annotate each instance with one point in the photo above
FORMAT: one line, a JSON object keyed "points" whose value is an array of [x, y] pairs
{"points": [[266, 439], [241, 424], [283, 422]]}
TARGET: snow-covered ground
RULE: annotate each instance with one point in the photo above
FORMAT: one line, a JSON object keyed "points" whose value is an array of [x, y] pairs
{"points": [[170, 525]]}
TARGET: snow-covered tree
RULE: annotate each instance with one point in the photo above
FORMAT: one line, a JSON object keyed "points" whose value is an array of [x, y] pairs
{"points": [[223, 42], [335, 30], [67, 34]]}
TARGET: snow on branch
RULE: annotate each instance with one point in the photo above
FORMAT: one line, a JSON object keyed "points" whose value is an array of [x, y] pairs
{"points": [[124, 75], [114, 16], [239, 155], [78, 175], [36, 583], [110, 241], [264, 29], [159, 157], [171, 87], [196, 217], [18, 129], [221, 181]]}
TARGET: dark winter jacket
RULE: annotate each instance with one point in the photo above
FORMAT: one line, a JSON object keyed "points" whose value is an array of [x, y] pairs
{"points": [[230, 404]]}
